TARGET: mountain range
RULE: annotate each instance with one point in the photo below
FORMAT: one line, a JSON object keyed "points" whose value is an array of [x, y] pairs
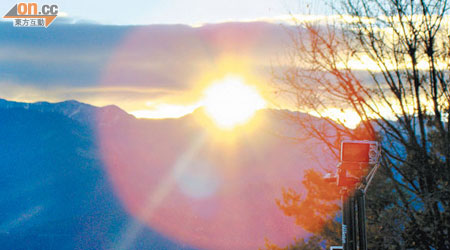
{"points": [[76, 176]]}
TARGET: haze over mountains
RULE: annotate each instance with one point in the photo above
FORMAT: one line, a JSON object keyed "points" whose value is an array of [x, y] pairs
{"points": [[75, 176]]}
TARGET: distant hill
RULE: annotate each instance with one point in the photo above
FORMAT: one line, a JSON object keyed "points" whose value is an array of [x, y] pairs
{"points": [[55, 193], [75, 176]]}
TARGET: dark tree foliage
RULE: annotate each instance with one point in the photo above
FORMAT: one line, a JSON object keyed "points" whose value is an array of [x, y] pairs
{"points": [[388, 63]]}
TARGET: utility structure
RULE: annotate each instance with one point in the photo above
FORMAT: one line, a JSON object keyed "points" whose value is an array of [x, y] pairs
{"points": [[355, 171]]}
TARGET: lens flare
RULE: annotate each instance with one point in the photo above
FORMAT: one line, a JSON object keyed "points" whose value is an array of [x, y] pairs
{"points": [[188, 179]]}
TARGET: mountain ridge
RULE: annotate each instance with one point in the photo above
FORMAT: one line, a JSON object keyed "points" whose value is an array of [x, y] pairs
{"points": [[94, 168]]}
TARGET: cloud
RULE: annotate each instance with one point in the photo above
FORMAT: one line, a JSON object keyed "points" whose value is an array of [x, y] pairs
{"points": [[62, 55], [126, 65]]}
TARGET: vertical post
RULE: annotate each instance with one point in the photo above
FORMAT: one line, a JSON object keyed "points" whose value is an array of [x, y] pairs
{"points": [[348, 221], [345, 218], [352, 227], [360, 196]]}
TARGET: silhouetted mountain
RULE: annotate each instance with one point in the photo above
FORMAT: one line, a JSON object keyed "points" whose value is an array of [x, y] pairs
{"points": [[55, 193], [75, 176]]}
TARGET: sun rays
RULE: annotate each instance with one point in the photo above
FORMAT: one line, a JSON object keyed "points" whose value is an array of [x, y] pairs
{"points": [[230, 102]]}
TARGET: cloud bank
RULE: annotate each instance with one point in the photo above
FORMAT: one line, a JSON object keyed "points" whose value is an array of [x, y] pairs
{"points": [[133, 67]]}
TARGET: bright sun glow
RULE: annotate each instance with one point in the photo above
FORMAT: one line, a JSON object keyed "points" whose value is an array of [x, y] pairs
{"points": [[348, 118], [230, 102]]}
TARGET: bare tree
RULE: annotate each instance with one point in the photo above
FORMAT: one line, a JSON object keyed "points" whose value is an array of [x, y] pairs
{"points": [[388, 63]]}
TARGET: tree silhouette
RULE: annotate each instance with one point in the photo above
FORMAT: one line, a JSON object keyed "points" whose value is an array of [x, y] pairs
{"points": [[388, 63]]}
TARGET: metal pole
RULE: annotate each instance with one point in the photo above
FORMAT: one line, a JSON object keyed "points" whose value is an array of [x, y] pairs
{"points": [[353, 226], [345, 218], [360, 196], [348, 221]]}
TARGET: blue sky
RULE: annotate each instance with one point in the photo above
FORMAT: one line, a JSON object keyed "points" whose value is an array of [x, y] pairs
{"points": [[176, 11]]}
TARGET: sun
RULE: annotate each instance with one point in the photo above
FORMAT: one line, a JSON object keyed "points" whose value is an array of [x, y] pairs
{"points": [[230, 102]]}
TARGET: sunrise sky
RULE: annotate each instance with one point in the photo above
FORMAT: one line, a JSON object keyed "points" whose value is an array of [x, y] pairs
{"points": [[154, 59]]}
